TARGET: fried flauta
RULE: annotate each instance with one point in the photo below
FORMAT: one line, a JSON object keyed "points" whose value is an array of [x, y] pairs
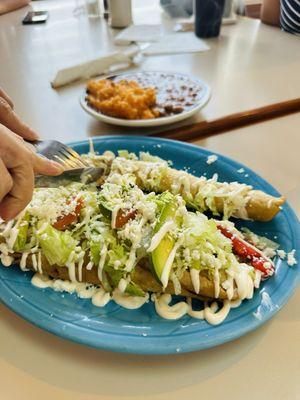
{"points": [[228, 199], [142, 277]]}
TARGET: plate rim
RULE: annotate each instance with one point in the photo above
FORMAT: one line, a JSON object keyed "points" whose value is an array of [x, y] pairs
{"points": [[144, 123], [144, 347]]}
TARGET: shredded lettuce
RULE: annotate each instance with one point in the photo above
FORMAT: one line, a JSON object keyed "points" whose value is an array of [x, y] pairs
{"points": [[267, 246], [134, 290], [146, 156], [21, 239], [161, 199], [127, 155], [204, 247], [95, 248], [117, 253], [116, 275], [57, 246], [260, 241]]}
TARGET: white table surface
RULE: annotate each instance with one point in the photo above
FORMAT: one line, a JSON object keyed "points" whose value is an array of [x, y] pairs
{"points": [[265, 364]]}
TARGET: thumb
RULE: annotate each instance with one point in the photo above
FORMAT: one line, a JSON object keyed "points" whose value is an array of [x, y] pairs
{"points": [[43, 166]]}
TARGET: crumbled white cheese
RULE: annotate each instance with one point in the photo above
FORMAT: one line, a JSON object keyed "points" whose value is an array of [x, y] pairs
{"points": [[291, 260], [281, 254], [176, 283], [211, 159], [241, 170], [117, 264], [52, 203], [195, 255], [187, 254]]}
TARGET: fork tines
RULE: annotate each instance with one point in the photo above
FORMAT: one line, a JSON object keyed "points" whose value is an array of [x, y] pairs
{"points": [[57, 151]]}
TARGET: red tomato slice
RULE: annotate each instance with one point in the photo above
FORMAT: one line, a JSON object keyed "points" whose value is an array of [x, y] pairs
{"points": [[65, 220], [124, 216], [246, 250]]}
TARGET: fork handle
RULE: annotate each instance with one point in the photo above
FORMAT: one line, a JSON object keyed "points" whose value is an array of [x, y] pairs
{"points": [[41, 147]]}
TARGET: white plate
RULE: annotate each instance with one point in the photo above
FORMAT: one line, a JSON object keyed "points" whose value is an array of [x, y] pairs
{"points": [[203, 97]]}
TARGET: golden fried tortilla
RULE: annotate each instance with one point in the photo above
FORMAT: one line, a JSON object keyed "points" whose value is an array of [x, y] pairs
{"points": [[258, 205], [141, 276]]}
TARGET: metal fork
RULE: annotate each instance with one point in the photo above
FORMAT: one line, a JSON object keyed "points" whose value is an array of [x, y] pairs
{"points": [[57, 151]]}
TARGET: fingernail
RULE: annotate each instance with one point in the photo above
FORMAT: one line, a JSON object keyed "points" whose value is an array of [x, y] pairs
{"points": [[30, 133], [6, 216], [58, 167], [34, 135]]}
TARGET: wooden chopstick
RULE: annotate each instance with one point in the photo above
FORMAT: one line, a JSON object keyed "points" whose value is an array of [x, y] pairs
{"points": [[204, 129]]}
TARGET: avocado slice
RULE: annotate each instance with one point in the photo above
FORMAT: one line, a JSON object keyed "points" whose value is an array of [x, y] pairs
{"points": [[160, 254], [105, 209]]}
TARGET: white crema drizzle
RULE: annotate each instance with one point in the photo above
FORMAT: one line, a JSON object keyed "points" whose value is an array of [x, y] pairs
{"points": [[85, 291], [127, 301], [210, 313], [6, 260], [195, 278], [157, 238], [99, 297]]}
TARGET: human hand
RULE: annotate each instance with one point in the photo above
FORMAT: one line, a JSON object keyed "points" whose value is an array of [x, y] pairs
{"points": [[11, 5], [18, 163]]}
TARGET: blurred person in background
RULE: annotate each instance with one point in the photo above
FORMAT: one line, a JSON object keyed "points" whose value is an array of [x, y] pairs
{"points": [[283, 13]]}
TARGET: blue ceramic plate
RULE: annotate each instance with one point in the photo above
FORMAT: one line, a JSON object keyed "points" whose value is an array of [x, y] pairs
{"points": [[142, 331]]}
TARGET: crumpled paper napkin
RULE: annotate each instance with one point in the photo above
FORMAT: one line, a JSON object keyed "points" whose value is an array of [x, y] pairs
{"points": [[102, 65]]}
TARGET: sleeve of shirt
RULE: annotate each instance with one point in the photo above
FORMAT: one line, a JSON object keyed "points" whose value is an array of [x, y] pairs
{"points": [[290, 16]]}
